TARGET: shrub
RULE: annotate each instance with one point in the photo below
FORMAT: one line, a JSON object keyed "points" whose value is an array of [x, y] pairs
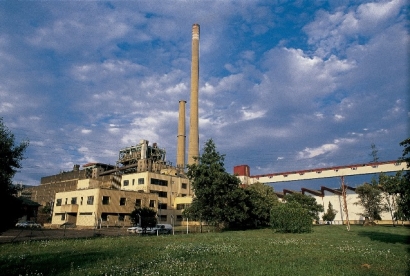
{"points": [[291, 218]]}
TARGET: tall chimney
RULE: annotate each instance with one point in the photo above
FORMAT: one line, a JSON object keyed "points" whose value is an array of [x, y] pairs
{"points": [[193, 148], [181, 136]]}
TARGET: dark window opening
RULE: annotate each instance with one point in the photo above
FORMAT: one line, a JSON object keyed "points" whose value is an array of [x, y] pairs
{"points": [[106, 200]]}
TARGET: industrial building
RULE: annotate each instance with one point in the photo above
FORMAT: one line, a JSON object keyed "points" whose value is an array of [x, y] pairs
{"points": [[105, 195], [101, 195], [343, 199]]}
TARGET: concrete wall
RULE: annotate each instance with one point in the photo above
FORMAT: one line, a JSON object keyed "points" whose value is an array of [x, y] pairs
{"points": [[109, 207]]}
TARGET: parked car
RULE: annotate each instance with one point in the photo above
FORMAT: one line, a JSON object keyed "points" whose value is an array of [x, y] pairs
{"points": [[161, 229], [140, 230], [28, 224], [133, 229]]}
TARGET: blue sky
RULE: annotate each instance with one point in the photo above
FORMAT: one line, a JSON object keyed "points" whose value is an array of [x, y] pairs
{"points": [[284, 85]]}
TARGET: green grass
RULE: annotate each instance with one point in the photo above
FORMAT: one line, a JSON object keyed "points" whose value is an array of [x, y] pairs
{"points": [[329, 250]]}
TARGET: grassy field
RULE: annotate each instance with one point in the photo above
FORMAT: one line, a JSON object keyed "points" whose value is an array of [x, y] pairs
{"points": [[329, 250]]}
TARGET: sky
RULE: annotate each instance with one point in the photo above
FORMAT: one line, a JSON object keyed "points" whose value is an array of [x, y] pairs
{"points": [[283, 85]]}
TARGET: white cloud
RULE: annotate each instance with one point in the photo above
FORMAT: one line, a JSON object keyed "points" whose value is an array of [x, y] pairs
{"points": [[338, 117], [313, 152], [332, 32], [328, 148], [249, 114]]}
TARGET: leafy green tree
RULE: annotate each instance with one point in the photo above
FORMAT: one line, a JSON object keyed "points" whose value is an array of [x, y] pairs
{"points": [[260, 200], [403, 189], [307, 202], [330, 213], [11, 156], [390, 185], [145, 217], [291, 218], [218, 199], [371, 199]]}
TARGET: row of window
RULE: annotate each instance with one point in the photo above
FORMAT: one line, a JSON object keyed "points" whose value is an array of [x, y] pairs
{"points": [[121, 217], [154, 181], [90, 201], [140, 182], [105, 201], [183, 206]]}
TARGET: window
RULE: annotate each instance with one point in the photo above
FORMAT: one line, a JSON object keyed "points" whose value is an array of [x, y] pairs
{"points": [[159, 182], [58, 202], [63, 216], [123, 200], [140, 181], [180, 206], [180, 218], [133, 182], [86, 214], [81, 202], [105, 200], [162, 206], [104, 217], [90, 200], [126, 182], [152, 203], [66, 200], [160, 193], [73, 200], [184, 185], [138, 202], [162, 218], [121, 217]]}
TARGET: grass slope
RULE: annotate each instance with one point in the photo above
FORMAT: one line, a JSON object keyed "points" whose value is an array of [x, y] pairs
{"points": [[329, 250]]}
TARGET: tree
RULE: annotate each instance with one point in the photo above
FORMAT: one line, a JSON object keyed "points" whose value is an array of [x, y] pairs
{"points": [[218, 199], [375, 157], [330, 213], [291, 217], [403, 189], [370, 198], [144, 216], [260, 200], [389, 185], [307, 202], [11, 156], [398, 186]]}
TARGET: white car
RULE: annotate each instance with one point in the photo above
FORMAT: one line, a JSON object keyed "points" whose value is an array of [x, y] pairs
{"points": [[28, 224], [133, 229], [140, 230], [161, 229]]}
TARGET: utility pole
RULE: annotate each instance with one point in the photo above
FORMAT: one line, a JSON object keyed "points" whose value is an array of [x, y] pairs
{"points": [[345, 203]]}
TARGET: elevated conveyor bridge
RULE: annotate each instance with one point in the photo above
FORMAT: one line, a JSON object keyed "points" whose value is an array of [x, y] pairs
{"points": [[338, 171]]}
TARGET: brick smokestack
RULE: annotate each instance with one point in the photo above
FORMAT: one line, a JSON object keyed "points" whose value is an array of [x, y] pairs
{"points": [[193, 147], [181, 136]]}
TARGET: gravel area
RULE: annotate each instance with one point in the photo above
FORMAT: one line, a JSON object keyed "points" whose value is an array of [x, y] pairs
{"points": [[18, 235]]}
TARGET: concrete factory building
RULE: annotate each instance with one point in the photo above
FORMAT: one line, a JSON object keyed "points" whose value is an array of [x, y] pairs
{"points": [[106, 196], [98, 207]]}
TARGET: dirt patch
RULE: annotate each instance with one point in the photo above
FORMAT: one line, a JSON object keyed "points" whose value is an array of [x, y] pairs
{"points": [[19, 235]]}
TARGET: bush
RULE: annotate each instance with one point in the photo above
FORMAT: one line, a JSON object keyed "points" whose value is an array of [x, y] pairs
{"points": [[290, 218]]}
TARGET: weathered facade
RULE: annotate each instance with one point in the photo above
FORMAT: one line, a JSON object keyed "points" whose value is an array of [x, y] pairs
{"points": [[99, 207]]}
